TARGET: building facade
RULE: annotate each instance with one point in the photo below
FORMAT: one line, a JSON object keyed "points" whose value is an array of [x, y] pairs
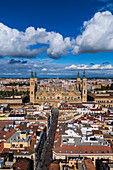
{"points": [[56, 92], [103, 98]]}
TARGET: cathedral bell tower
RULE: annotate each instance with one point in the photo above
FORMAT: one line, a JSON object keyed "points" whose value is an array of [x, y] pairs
{"points": [[78, 83], [35, 78], [84, 88], [32, 88]]}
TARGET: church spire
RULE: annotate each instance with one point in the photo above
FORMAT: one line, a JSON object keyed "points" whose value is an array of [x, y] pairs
{"points": [[78, 76], [31, 74]]}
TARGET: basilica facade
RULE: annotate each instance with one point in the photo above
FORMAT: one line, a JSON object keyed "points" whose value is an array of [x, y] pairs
{"points": [[54, 92]]}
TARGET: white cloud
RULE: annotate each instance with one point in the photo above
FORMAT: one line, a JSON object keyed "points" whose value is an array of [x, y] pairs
{"points": [[86, 67], [16, 44], [58, 46], [79, 66], [97, 35], [44, 69]]}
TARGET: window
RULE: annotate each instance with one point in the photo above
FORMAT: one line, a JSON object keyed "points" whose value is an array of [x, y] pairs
{"points": [[76, 151], [37, 97], [66, 151], [80, 151], [91, 151], [58, 97], [85, 151], [102, 151], [96, 151], [107, 151], [71, 151], [60, 151]]}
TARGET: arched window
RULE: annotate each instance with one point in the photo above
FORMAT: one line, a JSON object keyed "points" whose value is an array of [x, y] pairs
{"points": [[58, 97]]}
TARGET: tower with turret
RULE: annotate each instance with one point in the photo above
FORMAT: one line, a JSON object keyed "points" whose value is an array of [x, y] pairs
{"points": [[33, 85], [78, 82], [72, 93], [84, 88]]}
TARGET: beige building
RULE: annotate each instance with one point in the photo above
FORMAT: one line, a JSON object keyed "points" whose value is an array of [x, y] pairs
{"points": [[73, 144], [102, 97], [55, 93], [19, 140]]}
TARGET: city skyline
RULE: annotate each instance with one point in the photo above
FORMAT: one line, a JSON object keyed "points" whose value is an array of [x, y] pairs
{"points": [[56, 39]]}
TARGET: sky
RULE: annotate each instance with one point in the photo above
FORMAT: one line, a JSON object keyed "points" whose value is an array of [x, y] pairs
{"points": [[56, 38]]}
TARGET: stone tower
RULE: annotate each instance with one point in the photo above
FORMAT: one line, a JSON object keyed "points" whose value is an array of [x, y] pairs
{"points": [[32, 88], [84, 88], [78, 83], [35, 78]]}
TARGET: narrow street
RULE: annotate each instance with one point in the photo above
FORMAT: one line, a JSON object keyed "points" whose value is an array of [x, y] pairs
{"points": [[46, 155]]}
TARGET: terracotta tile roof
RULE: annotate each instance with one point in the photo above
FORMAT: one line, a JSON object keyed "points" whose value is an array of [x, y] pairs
{"points": [[54, 166], [9, 134], [95, 109], [23, 164], [80, 149], [5, 123], [1, 146], [89, 164], [6, 135]]}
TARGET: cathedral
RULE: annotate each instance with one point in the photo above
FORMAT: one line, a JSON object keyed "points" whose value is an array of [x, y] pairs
{"points": [[58, 91]]}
